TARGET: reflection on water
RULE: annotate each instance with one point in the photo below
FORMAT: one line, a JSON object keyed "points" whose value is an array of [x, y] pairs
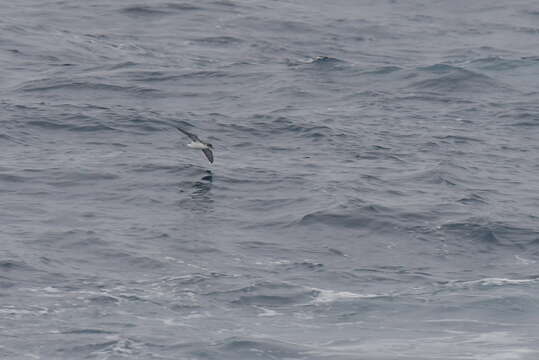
{"points": [[200, 198], [203, 186]]}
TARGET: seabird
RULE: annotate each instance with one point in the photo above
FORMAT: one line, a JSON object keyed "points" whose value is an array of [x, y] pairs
{"points": [[196, 143]]}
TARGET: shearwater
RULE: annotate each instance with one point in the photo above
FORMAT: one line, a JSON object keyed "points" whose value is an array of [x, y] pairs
{"points": [[196, 143]]}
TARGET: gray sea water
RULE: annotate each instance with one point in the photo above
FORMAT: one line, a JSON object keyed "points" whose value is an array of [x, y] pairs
{"points": [[375, 191]]}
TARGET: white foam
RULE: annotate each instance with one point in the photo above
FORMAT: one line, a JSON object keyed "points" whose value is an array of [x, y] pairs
{"points": [[267, 312], [524, 261], [326, 296], [495, 282]]}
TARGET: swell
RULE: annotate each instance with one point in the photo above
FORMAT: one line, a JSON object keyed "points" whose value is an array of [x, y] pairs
{"points": [[444, 78]]}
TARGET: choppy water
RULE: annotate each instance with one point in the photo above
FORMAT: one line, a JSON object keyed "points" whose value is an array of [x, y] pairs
{"points": [[374, 194]]}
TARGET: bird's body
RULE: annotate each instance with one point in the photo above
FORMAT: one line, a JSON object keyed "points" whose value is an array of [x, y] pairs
{"points": [[196, 143]]}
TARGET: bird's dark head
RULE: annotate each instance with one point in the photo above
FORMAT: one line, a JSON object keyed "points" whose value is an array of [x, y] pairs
{"points": [[210, 146]]}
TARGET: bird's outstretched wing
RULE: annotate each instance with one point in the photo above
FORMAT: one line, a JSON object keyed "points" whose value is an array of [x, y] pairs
{"points": [[208, 154], [193, 137]]}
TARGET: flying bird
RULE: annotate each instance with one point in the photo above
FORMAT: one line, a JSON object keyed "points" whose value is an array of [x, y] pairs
{"points": [[196, 143]]}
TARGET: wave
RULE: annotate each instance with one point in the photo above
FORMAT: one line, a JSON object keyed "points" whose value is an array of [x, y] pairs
{"points": [[458, 139], [488, 283], [165, 9], [263, 125], [264, 348], [48, 85], [436, 175], [330, 296], [318, 63], [9, 265], [497, 63], [520, 115], [266, 293], [453, 79], [70, 127], [346, 219], [218, 40], [142, 10], [491, 232]]}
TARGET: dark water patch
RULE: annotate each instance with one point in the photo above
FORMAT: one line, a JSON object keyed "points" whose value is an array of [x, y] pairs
{"points": [[188, 170], [11, 178], [496, 63], [527, 30], [129, 258], [225, 3], [218, 41], [198, 249], [526, 123], [69, 85], [455, 79], [494, 233], [244, 144], [265, 123], [92, 128], [87, 348], [531, 12], [514, 305], [520, 116], [274, 204], [272, 300], [246, 348], [194, 278], [119, 66], [158, 76], [379, 155], [79, 240], [437, 175], [250, 175], [159, 10], [183, 6], [144, 10], [80, 237], [392, 274], [458, 139], [103, 300], [351, 216], [292, 91], [381, 71], [473, 199], [87, 331], [304, 265], [433, 98], [267, 294], [4, 284], [254, 245], [47, 124], [281, 25], [13, 139], [99, 143], [13, 265]]}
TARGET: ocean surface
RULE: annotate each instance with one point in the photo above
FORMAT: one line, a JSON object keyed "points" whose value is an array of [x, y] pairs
{"points": [[374, 195]]}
